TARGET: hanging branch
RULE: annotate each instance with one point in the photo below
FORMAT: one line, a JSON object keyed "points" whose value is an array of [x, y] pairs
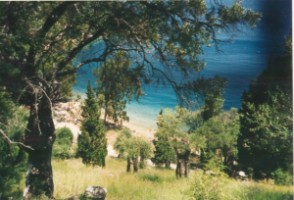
{"points": [[13, 142]]}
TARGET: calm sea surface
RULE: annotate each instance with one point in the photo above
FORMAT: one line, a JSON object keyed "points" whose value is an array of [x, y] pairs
{"points": [[240, 61]]}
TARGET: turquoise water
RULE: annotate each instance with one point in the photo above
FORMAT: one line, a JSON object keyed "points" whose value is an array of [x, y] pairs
{"points": [[240, 61]]}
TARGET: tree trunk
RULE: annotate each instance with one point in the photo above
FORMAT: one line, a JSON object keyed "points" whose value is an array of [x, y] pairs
{"points": [[135, 164], [128, 165], [142, 163], [105, 116], [167, 164], [178, 169], [187, 168], [40, 136], [183, 163]]}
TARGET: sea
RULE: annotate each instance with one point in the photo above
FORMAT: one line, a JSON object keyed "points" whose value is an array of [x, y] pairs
{"points": [[240, 60]]}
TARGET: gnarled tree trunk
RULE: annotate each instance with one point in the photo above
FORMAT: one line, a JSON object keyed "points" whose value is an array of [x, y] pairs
{"points": [[40, 136]]}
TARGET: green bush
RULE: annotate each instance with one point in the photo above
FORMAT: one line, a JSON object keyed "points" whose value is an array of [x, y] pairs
{"points": [[208, 187], [13, 120], [282, 177], [258, 193], [63, 144], [152, 178]]}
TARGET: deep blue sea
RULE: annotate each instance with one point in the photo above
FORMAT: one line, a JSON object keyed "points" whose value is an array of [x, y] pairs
{"points": [[239, 61]]}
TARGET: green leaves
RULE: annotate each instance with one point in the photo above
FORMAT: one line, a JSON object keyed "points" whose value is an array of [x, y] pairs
{"points": [[265, 142], [133, 148], [130, 146], [13, 124], [63, 146], [266, 135], [237, 14], [92, 143], [118, 82]]}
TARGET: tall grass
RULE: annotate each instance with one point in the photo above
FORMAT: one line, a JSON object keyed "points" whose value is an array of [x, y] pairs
{"points": [[71, 177], [261, 191]]}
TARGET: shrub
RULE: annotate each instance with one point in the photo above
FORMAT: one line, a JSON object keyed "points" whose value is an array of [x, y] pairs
{"points": [[282, 177], [206, 187], [63, 143], [12, 160], [260, 193], [152, 178]]}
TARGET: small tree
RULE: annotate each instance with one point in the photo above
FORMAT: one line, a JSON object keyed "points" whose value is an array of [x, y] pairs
{"points": [[92, 144], [63, 145], [173, 129], [164, 152], [134, 149], [145, 152], [221, 133]]}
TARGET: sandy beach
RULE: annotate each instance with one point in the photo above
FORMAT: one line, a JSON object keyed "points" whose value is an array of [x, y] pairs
{"points": [[69, 115]]}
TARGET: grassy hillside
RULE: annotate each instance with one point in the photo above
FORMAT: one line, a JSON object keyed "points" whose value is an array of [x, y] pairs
{"points": [[72, 177]]}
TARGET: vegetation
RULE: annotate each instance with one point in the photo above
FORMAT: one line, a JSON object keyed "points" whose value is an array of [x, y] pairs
{"points": [[174, 141], [156, 184], [63, 145], [265, 142], [40, 44], [282, 177], [210, 93], [92, 143], [134, 149], [221, 133], [118, 82], [12, 124], [164, 152]]}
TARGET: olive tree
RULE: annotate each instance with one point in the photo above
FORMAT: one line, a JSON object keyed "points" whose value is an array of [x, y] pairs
{"points": [[40, 41]]}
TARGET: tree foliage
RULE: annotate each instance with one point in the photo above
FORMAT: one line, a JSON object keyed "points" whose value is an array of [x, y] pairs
{"points": [[40, 41], [220, 133], [134, 149], [173, 140], [63, 146], [12, 124], [92, 143], [118, 82], [164, 152], [265, 143], [42, 47], [207, 92]]}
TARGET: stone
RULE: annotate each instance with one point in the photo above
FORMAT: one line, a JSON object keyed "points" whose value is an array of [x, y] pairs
{"points": [[95, 192]]}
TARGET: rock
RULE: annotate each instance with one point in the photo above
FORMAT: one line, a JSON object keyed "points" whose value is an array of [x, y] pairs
{"points": [[241, 175], [96, 192]]}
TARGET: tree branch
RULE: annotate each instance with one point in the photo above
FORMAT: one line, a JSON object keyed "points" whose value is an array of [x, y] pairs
{"points": [[53, 17], [13, 142], [77, 49]]}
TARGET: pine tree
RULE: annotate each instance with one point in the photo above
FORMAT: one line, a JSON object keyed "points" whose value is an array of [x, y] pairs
{"points": [[265, 140], [92, 143]]}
